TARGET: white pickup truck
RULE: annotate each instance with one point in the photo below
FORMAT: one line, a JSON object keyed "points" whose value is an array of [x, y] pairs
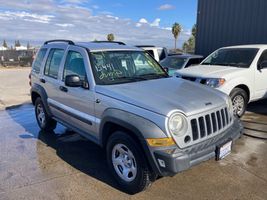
{"points": [[239, 71]]}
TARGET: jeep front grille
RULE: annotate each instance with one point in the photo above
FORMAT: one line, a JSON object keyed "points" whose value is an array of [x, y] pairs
{"points": [[209, 124]]}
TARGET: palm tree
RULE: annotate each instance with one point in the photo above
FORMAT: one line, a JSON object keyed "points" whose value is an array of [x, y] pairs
{"points": [[110, 37], [176, 30]]}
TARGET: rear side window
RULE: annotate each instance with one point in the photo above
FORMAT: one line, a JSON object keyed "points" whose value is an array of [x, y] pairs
{"points": [[39, 59], [74, 65], [162, 54], [150, 53], [53, 62]]}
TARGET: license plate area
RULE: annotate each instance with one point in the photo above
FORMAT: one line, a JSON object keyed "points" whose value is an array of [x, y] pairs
{"points": [[223, 150]]}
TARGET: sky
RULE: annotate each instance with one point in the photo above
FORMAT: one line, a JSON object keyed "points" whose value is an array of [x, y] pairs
{"points": [[135, 22]]}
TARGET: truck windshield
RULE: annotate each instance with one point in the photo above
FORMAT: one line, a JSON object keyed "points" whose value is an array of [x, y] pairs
{"points": [[173, 62], [233, 57], [115, 67]]}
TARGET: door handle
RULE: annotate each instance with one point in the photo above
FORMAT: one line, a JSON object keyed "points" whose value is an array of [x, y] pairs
{"points": [[42, 80], [63, 89]]}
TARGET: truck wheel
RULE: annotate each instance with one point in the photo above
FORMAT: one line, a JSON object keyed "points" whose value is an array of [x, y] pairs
{"points": [[240, 100], [127, 163], [45, 122]]}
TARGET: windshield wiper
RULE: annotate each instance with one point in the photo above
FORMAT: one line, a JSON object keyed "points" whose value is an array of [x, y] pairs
{"points": [[221, 64], [131, 78], [155, 75]]}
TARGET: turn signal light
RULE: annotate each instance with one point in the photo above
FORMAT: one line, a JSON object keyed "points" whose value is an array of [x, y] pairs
{"points": [[160, 142]]}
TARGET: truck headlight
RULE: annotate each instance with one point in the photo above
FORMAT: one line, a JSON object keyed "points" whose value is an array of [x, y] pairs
{"points": [[215, 82], [177, 124]]}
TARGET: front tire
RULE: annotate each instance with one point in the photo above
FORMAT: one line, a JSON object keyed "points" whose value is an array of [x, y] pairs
{"points": [[240, 101], [45, 122], [127, 163]]}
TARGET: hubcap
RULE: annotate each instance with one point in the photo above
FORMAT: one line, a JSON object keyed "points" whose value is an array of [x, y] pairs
{"points": [[124, 162], [238, 105], [40, 114]]}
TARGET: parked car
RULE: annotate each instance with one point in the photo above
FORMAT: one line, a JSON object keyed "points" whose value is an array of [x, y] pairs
{"points": [[159, 53], [119, 97], [239, 71], [176, 62]]}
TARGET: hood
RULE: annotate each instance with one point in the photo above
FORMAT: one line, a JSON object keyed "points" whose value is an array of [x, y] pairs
{"points": [[209, 71], [164, 95]]}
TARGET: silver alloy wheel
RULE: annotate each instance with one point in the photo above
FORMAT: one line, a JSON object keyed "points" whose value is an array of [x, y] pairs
{"points": [[40, 114], [124, 162], [238, 105]]}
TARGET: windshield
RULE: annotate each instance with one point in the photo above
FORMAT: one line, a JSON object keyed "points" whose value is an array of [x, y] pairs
{"points": [[235, 57], [113, 67], [173, 62]]}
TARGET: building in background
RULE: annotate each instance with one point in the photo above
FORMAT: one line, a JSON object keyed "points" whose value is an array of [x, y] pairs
{"points": [[230, 22]]}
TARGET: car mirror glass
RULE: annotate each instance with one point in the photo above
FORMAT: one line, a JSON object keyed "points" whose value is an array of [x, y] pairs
{"points": [[73, 81]]}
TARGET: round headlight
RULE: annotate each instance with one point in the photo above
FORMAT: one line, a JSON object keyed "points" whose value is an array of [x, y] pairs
{"points": [[177, 124]]}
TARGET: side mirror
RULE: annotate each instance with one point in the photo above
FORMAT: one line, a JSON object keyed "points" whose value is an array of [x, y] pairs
{"points": [[166, 69], [262, 65], [73, 81]]}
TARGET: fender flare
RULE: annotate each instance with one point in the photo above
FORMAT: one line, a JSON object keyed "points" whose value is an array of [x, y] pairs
{"points": [[116, 117], [36, 88]]}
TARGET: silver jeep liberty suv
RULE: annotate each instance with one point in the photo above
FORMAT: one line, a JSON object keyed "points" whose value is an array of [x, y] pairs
{"points": [[119, 97]]}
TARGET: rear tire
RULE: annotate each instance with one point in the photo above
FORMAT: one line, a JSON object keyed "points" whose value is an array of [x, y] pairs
{"points": [[45, 122], [124, 157], [240, 101]]}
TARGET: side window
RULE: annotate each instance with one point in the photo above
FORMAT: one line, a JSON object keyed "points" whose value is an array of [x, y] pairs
{"points": [[263, 57], [74, 65], [53, 62], [162, 54], [39, 59], [150, 53]]}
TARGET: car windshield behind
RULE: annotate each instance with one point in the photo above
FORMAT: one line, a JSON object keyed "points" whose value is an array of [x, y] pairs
{"points": [[233, 57], [113, 67], [173, 62]]}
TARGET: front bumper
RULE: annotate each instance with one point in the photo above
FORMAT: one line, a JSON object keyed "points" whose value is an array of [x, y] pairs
{"points": [[173, 160]]}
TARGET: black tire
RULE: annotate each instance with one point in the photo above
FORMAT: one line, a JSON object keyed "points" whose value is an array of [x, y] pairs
{"points": [[49, 124], [239, 93], [144, 177]]}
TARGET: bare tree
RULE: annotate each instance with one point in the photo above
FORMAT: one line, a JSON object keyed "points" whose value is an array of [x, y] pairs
{"points": [[4, 44]]}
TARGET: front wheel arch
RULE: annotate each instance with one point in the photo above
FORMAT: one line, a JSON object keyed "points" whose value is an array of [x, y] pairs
{"points": [[238, 94], [243, 87], [111, 125]]}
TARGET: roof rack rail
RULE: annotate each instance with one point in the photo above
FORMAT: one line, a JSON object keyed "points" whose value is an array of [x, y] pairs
{"points": [[140, 46], [68, 41], [115, 42]]}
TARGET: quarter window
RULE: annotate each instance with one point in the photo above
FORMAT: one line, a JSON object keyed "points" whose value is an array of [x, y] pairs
{"points": [[38, 61], [74, 65], [53, 62]]}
